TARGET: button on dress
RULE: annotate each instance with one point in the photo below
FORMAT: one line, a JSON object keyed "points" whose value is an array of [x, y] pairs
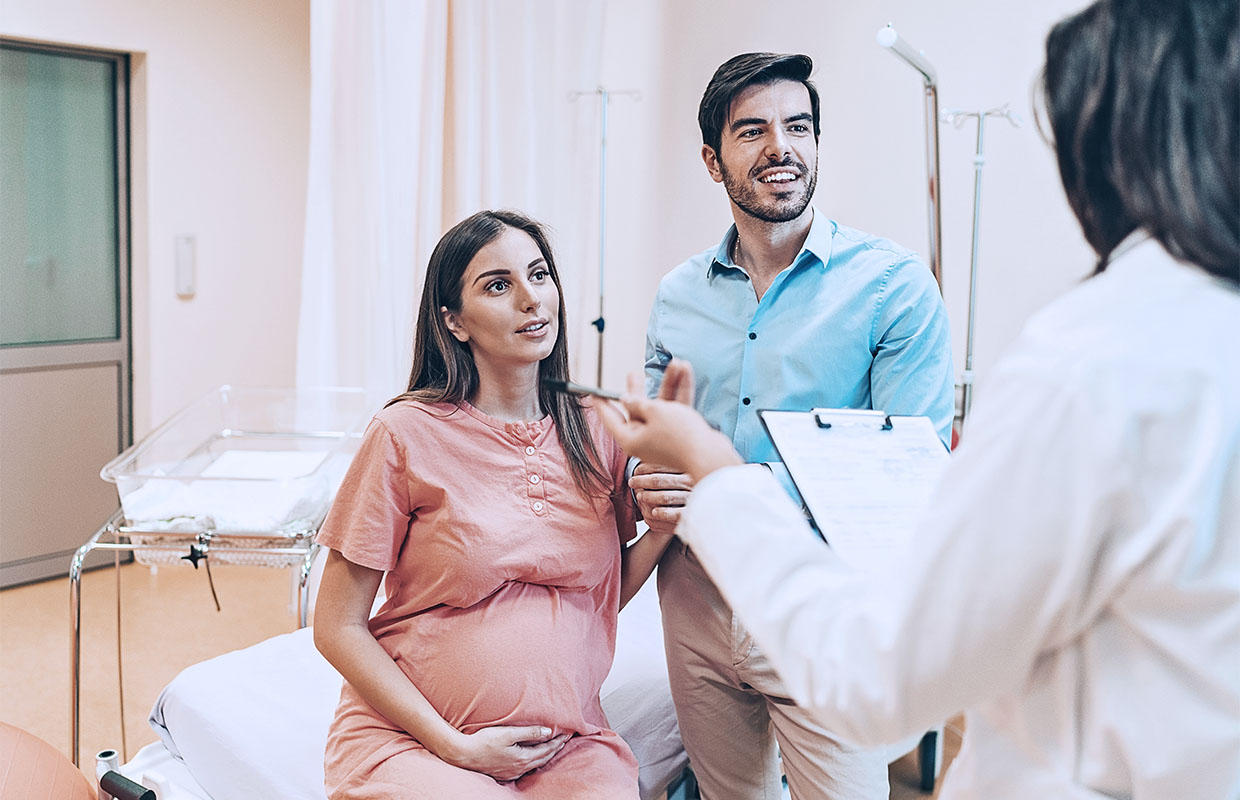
{"points": [[502, 588]]}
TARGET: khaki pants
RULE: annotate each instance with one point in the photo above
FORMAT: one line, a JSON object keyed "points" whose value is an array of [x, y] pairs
{"points": [[732, 708]]}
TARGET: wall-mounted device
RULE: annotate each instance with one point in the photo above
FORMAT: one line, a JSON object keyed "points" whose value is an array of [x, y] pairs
{"points": [[185, 266]]}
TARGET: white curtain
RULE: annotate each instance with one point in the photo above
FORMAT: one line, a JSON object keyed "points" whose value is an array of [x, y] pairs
{"points": [[423, 112]]}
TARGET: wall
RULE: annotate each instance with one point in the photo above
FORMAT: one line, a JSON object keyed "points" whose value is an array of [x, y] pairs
{"points": [[220, 141], [220, 104], [872, 164]]}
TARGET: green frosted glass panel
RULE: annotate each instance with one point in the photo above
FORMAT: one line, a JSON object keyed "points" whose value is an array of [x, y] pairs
{"points": [[59, 271]]}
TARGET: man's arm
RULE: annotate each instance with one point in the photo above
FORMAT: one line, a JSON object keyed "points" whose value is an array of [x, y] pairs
{"points": [[657, 356], [660, 493], [912, 371]]}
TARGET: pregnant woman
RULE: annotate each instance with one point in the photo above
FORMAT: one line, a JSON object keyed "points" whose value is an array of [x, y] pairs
{"points": [[499, 513]]}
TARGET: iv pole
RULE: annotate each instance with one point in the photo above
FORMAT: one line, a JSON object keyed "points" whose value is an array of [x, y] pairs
{"points": [[957, 119], [888, 38], [929, 751], [605, 96]]}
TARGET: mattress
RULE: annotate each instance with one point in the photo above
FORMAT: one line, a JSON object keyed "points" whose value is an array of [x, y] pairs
{"points": [[156, 768]]}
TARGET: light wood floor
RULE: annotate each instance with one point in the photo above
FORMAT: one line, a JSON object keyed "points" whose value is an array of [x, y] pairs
{"points": [[169, 622]]}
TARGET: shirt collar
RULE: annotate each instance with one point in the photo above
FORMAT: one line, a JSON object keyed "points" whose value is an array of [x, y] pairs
{"points": [[817, 244], [1131, 242]]}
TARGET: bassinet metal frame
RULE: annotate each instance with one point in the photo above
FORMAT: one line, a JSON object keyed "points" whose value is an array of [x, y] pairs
{"points": [[115, 535]]}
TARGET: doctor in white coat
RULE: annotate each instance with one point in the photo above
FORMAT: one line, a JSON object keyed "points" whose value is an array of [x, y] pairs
{"points": [[1077, 585]]}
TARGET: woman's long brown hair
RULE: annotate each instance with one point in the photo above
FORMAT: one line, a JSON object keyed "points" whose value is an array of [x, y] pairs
{"points": [[443, 367]]}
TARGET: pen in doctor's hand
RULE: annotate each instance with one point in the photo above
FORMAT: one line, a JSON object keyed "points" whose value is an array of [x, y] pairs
{"points": [[577, 388]]}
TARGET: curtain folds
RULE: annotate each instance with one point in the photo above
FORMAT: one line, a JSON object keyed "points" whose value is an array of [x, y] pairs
{"points": [[423, 112]]}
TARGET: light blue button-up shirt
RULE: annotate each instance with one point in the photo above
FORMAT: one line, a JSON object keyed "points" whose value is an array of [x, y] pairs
{"points": [[856, 321]]}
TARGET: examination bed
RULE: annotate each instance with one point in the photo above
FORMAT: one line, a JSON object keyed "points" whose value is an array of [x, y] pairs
{"points": [[253, 723]]}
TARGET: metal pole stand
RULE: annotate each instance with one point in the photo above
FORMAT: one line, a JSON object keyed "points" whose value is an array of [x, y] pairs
{"points": [[958, 119], [888, 38], [929, 749], [604, 96]]}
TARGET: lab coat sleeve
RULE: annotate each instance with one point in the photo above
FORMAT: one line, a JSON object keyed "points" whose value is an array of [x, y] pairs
{"points": [[1004, 566]]}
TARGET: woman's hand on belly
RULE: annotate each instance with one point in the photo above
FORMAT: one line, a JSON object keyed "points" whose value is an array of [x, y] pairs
{"points": [[504, 752]]}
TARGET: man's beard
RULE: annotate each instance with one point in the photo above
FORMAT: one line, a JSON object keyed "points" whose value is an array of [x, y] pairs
{"points": [[742, 192]]}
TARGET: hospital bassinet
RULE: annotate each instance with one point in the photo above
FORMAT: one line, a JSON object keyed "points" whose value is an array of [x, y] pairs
{"points": [[250, 468], [241, 476]]}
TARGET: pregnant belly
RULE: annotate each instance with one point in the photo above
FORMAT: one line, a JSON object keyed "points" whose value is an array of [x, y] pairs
{"points": [[527, 655]]}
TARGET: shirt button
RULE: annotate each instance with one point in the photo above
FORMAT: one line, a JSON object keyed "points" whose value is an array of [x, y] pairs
{"points": [[535, 479], [538, 506], [745, 400], [753, 335], [529, 451]]}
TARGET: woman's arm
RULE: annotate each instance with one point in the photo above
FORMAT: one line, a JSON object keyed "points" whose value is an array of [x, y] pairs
{"points": [[663, 489], [341, 634], [341, 612], [638, 560]]}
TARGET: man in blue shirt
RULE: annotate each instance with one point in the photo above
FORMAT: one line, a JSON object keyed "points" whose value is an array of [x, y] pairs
{"points": [[790, 310]]}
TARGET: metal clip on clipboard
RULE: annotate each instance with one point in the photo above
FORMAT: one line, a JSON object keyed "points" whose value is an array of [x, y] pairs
{"points": [[865, 476], [850, 414]]}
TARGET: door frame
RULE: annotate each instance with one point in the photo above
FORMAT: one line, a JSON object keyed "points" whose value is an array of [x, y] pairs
{"points": [[58, 355], [118, 352]]}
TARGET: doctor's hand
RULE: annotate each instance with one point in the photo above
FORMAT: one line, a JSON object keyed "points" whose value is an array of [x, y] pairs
{"points": [[668, 431], [504, 752]]}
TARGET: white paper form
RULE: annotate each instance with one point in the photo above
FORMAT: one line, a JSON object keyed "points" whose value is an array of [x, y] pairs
{"points": [[866, 484]]}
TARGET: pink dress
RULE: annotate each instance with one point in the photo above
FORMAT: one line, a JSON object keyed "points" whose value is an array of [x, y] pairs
{"points": [[502, 586]]}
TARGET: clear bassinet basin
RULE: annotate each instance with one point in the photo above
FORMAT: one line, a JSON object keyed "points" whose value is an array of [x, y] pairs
{"points": [[260, 462]]}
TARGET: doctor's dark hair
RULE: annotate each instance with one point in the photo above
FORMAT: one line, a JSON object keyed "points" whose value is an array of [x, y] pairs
{"points": [[1143, 100], [443, 367], [741, 72]]}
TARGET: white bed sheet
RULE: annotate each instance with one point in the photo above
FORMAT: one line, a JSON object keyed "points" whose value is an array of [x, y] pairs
{"points": [[253, 723], [156, 768]]}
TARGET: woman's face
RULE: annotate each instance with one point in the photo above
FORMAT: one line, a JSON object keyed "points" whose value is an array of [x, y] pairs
{"points": [[510, 306]]}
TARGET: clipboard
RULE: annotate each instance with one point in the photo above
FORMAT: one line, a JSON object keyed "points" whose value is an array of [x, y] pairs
{"points": [[865, 477]]}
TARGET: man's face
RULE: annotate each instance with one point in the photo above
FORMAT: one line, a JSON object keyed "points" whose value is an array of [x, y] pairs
{"points": [[768, 155]]}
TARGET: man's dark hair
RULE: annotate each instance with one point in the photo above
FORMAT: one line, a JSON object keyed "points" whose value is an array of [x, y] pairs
{"points": [[740, 72], [1143, 100]]}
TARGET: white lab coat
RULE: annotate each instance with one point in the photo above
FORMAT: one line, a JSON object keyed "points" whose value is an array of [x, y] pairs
{"points": [[1076, 588]]}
